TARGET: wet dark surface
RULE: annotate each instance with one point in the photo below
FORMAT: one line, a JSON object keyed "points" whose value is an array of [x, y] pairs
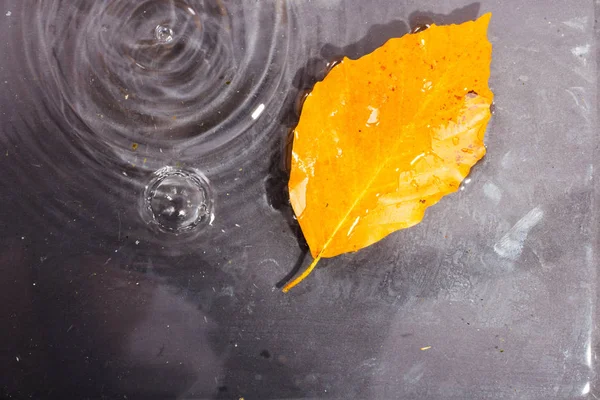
{"points": [[499, 279]]}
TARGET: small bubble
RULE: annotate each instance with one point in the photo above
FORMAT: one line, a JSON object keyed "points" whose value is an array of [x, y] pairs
{"points": [[178, 200], [163, 34]]}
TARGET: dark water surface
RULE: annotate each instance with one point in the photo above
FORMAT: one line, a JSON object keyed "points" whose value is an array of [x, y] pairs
{"points": [[144, 222]]}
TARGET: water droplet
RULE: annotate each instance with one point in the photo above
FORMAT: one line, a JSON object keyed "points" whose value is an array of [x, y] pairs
{"points": [[419, 28], [163, 34], [455, 140], [329, 66], [178, 200], [300, 101]]}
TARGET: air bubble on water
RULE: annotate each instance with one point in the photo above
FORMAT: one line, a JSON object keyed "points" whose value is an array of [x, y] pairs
{"points": [[178, 200], [163, 34]]}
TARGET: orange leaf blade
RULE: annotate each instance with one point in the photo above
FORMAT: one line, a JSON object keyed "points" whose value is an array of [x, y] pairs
{"points": [[383, 137]]}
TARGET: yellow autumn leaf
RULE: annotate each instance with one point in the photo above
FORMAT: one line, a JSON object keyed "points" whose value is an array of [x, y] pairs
{"points": [[383, 137]]}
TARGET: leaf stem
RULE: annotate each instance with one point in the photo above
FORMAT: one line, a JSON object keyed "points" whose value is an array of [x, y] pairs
{"points": [[303, 275], [312, 266]]}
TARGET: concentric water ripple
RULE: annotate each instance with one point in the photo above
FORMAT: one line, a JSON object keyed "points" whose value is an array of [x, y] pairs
{"points": [[160, 72], [130, 91]]}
